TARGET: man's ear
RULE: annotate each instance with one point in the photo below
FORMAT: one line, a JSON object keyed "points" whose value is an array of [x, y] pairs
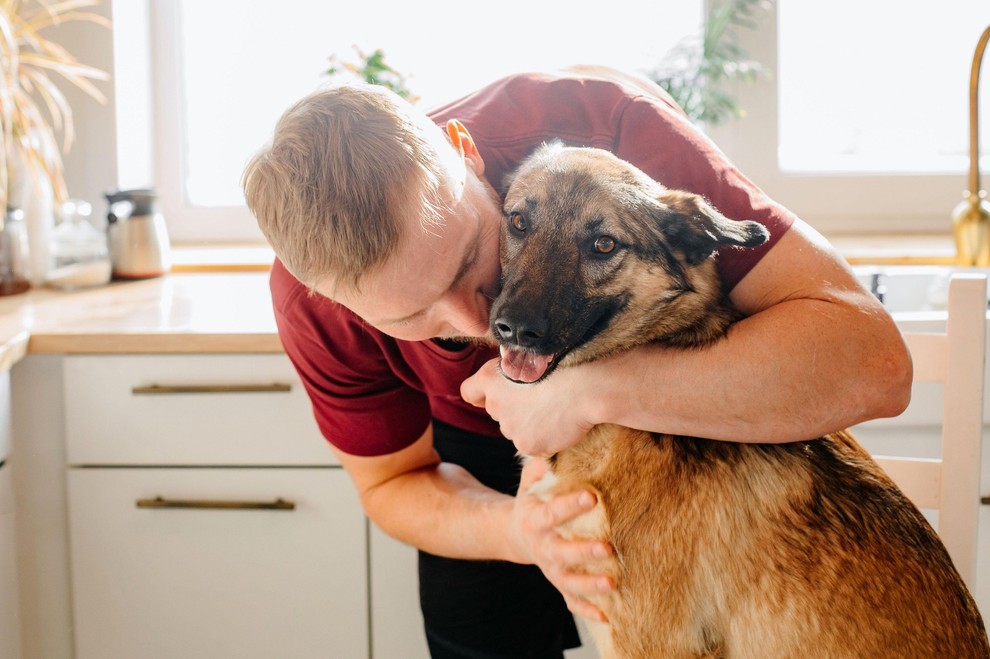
{"points": [[464, 144], [693, 226]]}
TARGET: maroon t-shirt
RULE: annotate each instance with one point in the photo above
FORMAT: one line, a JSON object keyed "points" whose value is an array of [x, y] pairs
{"points": [[373, 394]]}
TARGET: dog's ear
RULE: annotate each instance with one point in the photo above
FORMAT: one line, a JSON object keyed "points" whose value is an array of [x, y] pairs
{"points": [[692, 225]]}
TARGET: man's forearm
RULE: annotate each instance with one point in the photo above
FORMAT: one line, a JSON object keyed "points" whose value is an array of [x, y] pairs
{"points": [[444, 510], [764, 382]]}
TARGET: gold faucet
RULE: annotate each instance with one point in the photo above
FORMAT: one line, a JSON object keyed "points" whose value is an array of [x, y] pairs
{"points": [[971, 218]]}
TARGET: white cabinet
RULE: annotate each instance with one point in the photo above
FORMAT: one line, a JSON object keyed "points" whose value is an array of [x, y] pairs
{"points": [[396, 620], [161, 583], [206, 516], [208, 577], [10, 646], [9, 618]]}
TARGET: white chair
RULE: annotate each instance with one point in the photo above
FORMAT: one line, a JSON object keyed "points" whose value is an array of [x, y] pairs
{"points": [[952, 484]]}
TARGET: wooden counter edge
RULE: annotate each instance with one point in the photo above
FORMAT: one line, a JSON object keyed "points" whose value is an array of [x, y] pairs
{"points": [[164, 343]]}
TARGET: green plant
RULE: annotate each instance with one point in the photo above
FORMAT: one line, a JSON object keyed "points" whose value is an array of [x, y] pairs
{"points": [[373, 70], [32, 107], [696, 71]]}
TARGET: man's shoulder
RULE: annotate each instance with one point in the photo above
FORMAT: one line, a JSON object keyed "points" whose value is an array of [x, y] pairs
{"points": [[594, 85], [582, 106]]}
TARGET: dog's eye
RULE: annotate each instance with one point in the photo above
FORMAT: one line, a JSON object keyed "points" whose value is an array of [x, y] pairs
{"points": [[518, 222], [605, 244]]}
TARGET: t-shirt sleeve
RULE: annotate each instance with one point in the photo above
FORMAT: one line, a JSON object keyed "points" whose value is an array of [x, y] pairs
{"points": [[360, 405]]}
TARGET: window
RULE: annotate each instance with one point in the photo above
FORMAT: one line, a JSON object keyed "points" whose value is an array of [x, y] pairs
{"points": [[865, 123], [862, 126], [224, 73], [902, 65]]}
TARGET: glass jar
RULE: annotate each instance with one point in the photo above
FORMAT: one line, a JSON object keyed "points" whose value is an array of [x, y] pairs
{"points": [[80, 257], [15, 274]]}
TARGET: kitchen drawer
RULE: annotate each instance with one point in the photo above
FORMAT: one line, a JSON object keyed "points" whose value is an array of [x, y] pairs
{"points": [[225, 410], [162, 583]]}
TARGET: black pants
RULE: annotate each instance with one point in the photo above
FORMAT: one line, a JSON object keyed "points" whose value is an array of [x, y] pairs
{"points": [[489, 609]]}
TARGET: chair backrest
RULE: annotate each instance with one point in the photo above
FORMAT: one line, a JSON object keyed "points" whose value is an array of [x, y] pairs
{"points": [[952, 484]]}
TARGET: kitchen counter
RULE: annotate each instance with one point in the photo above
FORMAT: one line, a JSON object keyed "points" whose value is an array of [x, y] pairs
{"points": [[179, 313], [217, 301], [900, 249]]}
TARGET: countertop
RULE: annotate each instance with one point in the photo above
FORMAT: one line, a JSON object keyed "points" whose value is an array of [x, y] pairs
{"points": [[217, 301], [180, 313]]}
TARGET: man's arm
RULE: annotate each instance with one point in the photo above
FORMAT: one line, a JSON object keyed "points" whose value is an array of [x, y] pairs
{"points": [[442, 509], [816, 353]]}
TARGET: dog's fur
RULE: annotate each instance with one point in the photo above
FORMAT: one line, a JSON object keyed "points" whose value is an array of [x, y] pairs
{"points": [[804, 549]]}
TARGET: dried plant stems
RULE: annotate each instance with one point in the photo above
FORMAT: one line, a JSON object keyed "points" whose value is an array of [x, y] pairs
{"points": [[33, 109]]}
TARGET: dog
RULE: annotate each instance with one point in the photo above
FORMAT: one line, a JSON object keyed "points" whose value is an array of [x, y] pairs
{"points": [[721, 549]]}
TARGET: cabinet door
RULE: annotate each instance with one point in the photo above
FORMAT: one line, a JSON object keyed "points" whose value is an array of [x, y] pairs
{"points": [[217, 582], [396, 620], [10, 630]]}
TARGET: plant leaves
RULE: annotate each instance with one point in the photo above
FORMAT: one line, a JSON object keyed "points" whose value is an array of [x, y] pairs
{"points": [[694, 71], [33, 108]]}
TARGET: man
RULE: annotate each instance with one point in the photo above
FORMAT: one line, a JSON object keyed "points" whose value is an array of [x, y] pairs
{"points": [[386, 226]]}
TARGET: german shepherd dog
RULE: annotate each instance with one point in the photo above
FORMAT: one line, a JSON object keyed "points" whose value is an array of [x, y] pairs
{"points": [[721, 549]]}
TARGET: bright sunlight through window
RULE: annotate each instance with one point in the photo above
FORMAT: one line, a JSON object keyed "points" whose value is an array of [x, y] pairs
{"points": [[877, 86], [240, 69]]}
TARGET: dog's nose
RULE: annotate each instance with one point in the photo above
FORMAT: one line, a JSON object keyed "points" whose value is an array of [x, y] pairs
{"points": [[523, 333]]}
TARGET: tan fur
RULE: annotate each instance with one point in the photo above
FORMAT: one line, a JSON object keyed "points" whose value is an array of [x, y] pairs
{"points": [[721, 550]]}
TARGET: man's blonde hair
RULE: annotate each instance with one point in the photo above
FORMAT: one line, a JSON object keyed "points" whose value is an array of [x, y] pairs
{"points": [[346, 167]]}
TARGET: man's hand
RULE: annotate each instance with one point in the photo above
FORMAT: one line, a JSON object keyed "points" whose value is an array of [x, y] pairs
{"points": [[538, 541], [540, 419]]}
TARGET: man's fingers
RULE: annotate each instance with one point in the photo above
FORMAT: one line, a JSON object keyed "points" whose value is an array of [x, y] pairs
{"points": [[586, 585], [577, 588], [533, 470], [473, 389], [559, 557], [566, 507], [585, 609], [580, 552]]}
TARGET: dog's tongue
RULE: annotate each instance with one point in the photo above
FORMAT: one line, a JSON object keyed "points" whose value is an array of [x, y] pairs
{"points": [[523, 366]]}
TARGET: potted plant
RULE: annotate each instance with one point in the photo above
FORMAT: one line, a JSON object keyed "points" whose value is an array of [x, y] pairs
{"points": [[34, 112], [696, 71], [372, 69]]}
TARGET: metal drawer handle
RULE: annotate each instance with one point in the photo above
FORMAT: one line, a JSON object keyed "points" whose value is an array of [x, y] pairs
{"points": [[200, 504], [212, 388]]}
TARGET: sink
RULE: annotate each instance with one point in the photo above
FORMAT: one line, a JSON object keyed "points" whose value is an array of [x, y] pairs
{"points": [[916, 297], [909, 290]]}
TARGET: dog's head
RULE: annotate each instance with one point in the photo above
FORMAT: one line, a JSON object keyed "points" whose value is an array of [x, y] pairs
{"points": [[597, 256]]}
